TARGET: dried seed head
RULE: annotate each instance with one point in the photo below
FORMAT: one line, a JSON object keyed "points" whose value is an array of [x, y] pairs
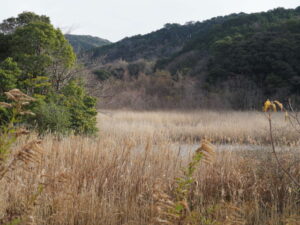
{"points": [[279, 104], [21, 131], [16, 92], [27, 99], [17, 95], [208, 151], [5, 105], [10, 96], [27, 113], [30, 152]]}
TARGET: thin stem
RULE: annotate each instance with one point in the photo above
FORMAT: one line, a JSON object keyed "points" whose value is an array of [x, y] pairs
{"points": [[275, 154], [293, 115]]}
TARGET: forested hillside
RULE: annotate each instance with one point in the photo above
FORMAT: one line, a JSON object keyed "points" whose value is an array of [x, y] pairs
{"points": [[173, 37], [157, 44], [82, 43], [255, 55], [262, 48]]}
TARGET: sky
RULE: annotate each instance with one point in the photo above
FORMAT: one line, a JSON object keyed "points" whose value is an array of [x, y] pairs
{"points": [[116, 19]]}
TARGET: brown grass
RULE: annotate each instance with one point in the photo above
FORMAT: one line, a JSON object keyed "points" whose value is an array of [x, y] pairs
{"points": [[219, 127], [111, 179]]}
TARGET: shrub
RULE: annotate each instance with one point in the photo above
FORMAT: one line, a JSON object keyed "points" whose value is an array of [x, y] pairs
{"points": [[53, 118], [81, 108], [72, 110], [102, 74]]}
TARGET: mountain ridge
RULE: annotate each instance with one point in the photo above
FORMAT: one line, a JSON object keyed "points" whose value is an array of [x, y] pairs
{"points": [[82, 43]]}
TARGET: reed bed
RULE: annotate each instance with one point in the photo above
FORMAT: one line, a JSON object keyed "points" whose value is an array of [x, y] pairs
{"points": [[228, 127], [111, 179]]}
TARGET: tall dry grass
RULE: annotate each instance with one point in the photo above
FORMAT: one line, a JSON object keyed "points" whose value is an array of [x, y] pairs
{"points": [[111, 179], [188, 127]]}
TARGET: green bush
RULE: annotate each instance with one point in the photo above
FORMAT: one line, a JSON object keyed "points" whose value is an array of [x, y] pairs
{"points": [[102, 74], [81, 108], [53, 118], [72, 110]]}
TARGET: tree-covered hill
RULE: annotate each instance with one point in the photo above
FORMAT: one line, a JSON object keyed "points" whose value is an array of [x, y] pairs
{"points": [[161, 43], [241, 57], [259, 48], [85, 42], [175, 39], [235, 27]]}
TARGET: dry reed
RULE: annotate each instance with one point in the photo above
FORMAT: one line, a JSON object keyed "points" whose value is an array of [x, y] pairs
{"points": [[111, 179], [173, 126]]}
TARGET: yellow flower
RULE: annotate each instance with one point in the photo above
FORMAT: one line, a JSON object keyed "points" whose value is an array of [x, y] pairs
{"points": [[267, 105]]}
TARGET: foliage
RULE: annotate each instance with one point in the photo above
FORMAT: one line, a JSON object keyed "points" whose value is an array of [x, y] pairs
{"points": [[43, 55], [81, 107], [11, 24], [39, 60], [9, 74], [70, 111], [51, 117], [42, 51], [269, 58]]}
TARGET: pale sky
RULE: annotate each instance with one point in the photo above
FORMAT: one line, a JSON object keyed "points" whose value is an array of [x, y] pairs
{"points": [[116, 19]]}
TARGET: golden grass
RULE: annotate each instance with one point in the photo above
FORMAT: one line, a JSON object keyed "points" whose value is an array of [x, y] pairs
{"points": [[110, 179], [188, 127]]}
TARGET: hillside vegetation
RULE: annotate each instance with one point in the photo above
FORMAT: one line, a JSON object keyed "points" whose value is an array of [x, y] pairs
{"points": [[160, 43], [261, 49], [255, 55], [82, 43]]}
